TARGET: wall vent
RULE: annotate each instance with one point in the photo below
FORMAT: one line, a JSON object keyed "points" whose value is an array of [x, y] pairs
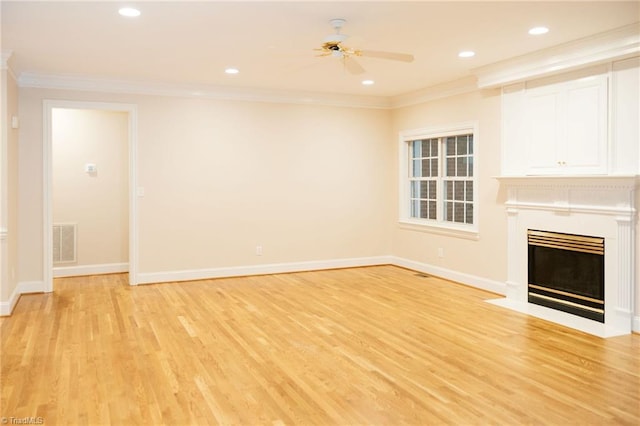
{"points": [[64, 243]]}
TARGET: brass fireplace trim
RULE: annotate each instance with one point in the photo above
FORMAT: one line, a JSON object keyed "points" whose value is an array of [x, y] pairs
{"points": [[565, 293], [566, 302], [584, 244]]}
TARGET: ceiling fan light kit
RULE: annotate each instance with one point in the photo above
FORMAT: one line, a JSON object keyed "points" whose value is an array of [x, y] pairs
{"points": [[332, 46]]}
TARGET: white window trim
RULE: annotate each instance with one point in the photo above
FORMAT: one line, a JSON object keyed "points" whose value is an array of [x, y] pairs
{"points": [[440, 227]]}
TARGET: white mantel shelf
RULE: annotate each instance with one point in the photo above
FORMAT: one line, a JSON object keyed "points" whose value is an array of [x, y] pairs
{"points": [[624, 181]]}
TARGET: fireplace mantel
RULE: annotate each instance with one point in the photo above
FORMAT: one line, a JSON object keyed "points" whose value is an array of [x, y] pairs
{"points": [[585, 205], [578, 181], [609, 194]]}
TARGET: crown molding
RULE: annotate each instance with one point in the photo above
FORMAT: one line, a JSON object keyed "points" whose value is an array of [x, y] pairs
{"points": [[85, 83], [439, 91], [92, 84], [612, 45]]}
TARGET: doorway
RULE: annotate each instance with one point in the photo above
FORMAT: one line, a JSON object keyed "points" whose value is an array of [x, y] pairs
{"points": [[90, 163]]}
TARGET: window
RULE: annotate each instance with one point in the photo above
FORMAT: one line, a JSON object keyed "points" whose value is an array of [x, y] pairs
{"points": [[438, 187], [458, 180]]}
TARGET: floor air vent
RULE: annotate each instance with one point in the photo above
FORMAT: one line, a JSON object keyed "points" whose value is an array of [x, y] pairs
{"points": [[64, 242]]}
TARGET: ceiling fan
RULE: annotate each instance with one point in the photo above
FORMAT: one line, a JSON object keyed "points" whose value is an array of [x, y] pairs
{"points": [[332, 46]]}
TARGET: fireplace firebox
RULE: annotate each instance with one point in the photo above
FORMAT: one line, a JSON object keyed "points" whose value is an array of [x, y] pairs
{"points": [[566, 272]]}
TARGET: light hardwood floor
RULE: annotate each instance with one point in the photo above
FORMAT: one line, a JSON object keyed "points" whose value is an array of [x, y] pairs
{"points": [[379, 345]]}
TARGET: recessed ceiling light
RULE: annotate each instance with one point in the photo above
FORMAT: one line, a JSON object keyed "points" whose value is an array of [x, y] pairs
{"points": [[232, 71], [538, 30], [129, 12], [466, 54], [367, 82]]}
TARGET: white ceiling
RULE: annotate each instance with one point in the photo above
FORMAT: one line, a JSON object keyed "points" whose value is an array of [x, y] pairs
{"points": [[272, 42]]}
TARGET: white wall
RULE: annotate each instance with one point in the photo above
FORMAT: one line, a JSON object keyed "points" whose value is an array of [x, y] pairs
{"points": [[306, 183], [96, 202], [484, 258]]}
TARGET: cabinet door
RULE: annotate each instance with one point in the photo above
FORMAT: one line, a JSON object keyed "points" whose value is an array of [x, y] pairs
{"points": [[567, 127], [586, 126], [543, 132]]}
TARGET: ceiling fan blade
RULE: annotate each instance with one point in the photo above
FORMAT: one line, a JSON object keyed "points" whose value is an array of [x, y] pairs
{"points": [[404, 57], [352, 65]]}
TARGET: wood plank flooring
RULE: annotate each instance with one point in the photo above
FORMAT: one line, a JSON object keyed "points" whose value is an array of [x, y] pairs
{"points": [[365, 346]]}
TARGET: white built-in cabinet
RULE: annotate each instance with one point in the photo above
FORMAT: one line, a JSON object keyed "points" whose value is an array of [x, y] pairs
{"points": [[583, 123], [566, 127]]}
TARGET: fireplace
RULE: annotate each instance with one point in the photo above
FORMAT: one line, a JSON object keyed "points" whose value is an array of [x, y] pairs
{"points": [[600, 212], [566, 272]]}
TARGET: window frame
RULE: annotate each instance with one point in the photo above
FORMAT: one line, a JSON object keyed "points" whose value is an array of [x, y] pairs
{"points": [[438, 225]]}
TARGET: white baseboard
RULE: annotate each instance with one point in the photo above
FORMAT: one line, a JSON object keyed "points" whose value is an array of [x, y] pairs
{"points": [[278, 268], [75, 271], [198, 274], [462, 278], [275, 268], [636, 324], [6, 308]]}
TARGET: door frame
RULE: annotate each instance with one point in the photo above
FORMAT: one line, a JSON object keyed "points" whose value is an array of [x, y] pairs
{"points": [[132, 113]]}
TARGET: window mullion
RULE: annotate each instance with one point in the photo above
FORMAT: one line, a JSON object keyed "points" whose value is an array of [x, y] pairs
{"points": [[439, 184]]}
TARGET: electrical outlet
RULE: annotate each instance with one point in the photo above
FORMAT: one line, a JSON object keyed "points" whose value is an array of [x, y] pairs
{"points": [[258, 250], [440, 252]]}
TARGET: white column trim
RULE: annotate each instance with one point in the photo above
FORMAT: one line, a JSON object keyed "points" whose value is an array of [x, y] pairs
{"points": [[625, 264]]}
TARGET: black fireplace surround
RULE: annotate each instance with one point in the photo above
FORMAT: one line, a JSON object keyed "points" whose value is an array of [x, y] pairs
{"points": [[566, 272]]}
